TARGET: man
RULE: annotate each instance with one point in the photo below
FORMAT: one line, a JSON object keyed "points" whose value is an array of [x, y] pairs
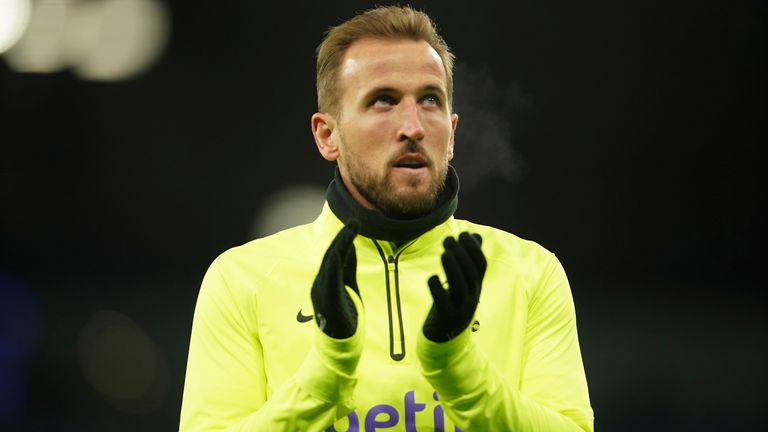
{"points": [[386, 311]]}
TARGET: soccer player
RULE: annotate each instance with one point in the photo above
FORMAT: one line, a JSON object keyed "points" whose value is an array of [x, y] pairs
{"points": [[386, 312]]}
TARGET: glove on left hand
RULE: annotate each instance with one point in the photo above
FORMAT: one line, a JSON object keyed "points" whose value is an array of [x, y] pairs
{"points": [[453, 309]]}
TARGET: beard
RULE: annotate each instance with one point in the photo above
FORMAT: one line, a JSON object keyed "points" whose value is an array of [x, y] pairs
{"points": [[408, 202]]}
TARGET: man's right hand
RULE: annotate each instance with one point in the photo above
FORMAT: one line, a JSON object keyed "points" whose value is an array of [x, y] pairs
{"points": [[335, 313]]}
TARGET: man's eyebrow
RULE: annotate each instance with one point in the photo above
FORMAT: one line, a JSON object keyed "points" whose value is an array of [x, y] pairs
{"points": [[433, 88], [430, 88], [380, 90]]}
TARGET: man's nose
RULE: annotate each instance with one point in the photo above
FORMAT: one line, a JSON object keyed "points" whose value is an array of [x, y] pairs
{"points": [[411, 125]]}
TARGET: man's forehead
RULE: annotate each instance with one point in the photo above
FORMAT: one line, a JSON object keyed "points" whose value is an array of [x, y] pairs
{"points": [[375, 56]]}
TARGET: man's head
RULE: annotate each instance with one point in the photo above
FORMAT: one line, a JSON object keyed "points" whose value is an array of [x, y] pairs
{"points": [[387, 22], [385, 116]]}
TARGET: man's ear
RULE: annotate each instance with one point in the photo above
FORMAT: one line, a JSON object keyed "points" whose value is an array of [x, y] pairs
{"points": [[323, 126], [454, 122]]}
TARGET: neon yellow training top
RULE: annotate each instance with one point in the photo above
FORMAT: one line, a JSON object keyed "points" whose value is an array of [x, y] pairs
{"points": [[258, 362]]}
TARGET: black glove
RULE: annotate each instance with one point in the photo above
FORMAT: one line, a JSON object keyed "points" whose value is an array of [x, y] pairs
{"points": [[335, 313], [453, 309]]}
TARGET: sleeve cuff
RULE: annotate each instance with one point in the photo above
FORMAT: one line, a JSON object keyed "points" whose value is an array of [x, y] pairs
{"points": [[328, 371], [451, 367], [437, 355]]}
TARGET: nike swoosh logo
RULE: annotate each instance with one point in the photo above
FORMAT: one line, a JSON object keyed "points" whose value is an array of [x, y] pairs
{"points": [[300, 317]]}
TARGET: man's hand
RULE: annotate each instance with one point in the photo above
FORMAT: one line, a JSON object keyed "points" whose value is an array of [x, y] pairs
{"points": [[335, 312], [453, 309]]}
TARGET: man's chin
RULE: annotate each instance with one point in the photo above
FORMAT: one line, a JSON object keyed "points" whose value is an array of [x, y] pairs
{"points": [[401, 197], [410, 184], [411, 194], [410, 204]]}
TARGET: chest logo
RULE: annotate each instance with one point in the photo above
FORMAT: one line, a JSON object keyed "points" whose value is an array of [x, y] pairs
{"points": [[300, 317]]}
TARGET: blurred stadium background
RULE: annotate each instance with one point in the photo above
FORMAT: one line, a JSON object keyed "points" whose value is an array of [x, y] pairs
{"points": [[141, 138]]}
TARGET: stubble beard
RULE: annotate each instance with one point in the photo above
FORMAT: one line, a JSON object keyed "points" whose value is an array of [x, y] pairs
{"points": [[380, 192]]}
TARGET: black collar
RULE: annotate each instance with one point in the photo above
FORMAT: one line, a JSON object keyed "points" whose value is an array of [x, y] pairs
{"points": [[377, 226]]}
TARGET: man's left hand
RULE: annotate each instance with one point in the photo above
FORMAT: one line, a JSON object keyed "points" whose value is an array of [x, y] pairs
{"points": [[453, 309]]}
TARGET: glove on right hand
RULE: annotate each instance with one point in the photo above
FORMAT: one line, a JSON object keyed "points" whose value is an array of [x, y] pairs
{"points": [[335, 312]]}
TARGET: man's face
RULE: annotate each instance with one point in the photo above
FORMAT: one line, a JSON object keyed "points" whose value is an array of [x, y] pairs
{"points": [[394, 129]]}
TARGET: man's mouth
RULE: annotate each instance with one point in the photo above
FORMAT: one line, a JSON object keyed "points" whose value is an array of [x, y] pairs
{"points": [[410, 161]]}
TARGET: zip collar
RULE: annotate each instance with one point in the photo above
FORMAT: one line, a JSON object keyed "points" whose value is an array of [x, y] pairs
{"points": [[375, 225]]}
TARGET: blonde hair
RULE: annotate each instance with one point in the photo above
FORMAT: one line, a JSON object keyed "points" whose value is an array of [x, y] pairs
{"points": [[386, 22]]}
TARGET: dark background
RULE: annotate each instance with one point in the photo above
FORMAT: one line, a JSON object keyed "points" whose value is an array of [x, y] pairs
{"points": [[624, 136]]}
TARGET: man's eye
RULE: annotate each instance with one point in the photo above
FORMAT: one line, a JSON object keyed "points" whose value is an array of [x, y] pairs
{"points": [[383, 100], [431, 100]]}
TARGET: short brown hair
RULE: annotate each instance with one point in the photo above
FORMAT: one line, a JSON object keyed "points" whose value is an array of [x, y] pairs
{"points": [[386, 22]]}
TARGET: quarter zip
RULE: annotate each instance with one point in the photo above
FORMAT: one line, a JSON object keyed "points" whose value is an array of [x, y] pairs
{"points": [[394, 310]]}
